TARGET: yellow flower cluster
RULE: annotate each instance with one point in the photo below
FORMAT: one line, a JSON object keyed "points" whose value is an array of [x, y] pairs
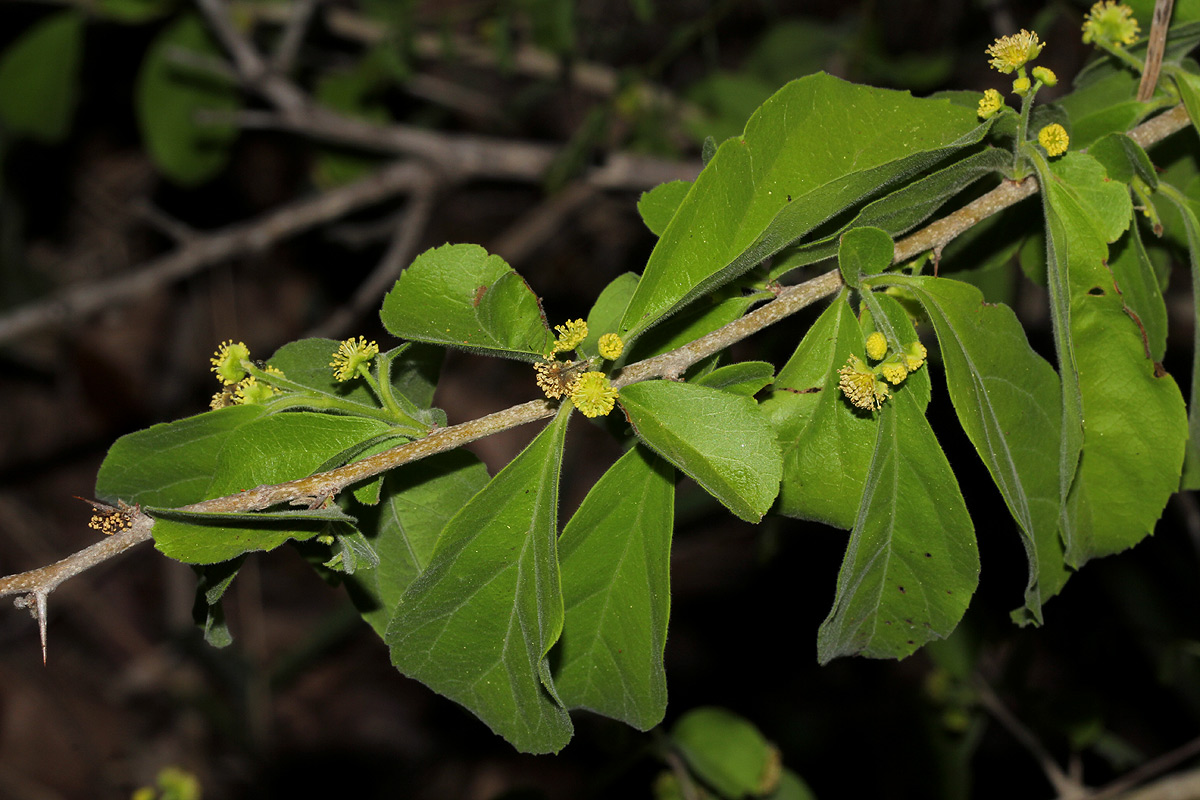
{"points": [[1013, 52], [238, 386], [867, 388], [991, 102], [593, 394], [1054, 139], [570, 335], [1111, 24], [351, 355], [861, 386], [610, 346]]}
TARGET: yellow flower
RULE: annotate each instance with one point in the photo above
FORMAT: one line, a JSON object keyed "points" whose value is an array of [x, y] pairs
{"points": [[227, 362], [1045, 75], [1110, 23], [350, 356], [1021, 85], [610, 346], [222, 399], [570, 335], [1011, 52], [992, 102], [1054, 139], [555, 378], [915, 356], [251, 393], [876, 346], [860, 385], [895, 372], [593, 394]]}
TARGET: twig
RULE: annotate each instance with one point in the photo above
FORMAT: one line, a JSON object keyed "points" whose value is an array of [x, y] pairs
{"points": [[1064, 785], [204, 250], [293, 36], [1155, 49], [1155, 766]]}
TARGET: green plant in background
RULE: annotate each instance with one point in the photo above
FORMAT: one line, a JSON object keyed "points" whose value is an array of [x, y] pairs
{"points": [[481, 591]]}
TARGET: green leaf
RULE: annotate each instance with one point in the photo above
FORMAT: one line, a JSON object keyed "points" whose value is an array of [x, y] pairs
{"points": [[169, 98], [459, 296], [817, 147], [826, 442], [265, 451], [745, 377], [615, 559], [171, 464], [727, 752], [418, 500], [1124, 159], [1140, 291], [901, 210], [1130, 462], [39, 78], [200, 538], [477, 624], [912, 563], [720, 440], [1191, 224], [658, 205], [212, 580], [862, 252], [1009, 403]]}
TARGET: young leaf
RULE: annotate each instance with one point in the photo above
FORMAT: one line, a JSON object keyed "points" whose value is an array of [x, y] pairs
{"points": [[459, 296], [1131, 460], [417, 501], [39, 78], [169, 98], [862, 252], [721, 440], [912, 563], [477, 624], [826, 442], [1141, 292], [817, 147], [615, 556], [1008, 401]]}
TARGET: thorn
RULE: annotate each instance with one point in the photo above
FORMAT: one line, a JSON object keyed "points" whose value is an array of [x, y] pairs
{"points": [[41, 615]]}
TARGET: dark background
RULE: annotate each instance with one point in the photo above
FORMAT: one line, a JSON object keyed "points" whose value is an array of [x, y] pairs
{"points": [[305, 700]]}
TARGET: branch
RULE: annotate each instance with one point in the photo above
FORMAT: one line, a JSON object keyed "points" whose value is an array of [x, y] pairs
{"points": [[790, 300], [203, 250]]}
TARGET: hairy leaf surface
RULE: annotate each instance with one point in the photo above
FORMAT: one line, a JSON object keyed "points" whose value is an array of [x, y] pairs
{"points": [[817, 147], [721, 440], [615, 555], [458, 295], [912, 563], [477, 624], [826, 442], [1008, 400]]}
